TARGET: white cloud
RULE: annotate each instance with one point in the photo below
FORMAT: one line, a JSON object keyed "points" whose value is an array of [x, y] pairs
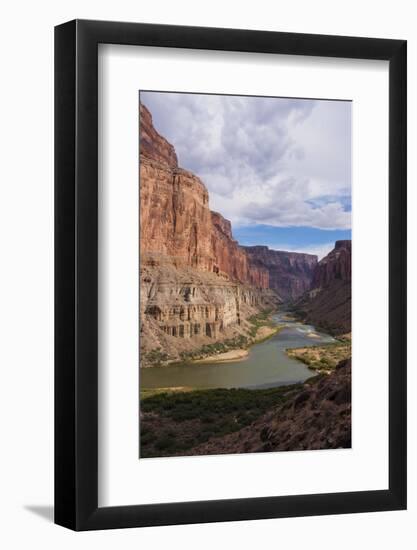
{"points": [[264, 160], [320, 250]]}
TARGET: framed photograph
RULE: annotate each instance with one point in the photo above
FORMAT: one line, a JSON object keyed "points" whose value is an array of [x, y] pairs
{"points": [[230, 252]]}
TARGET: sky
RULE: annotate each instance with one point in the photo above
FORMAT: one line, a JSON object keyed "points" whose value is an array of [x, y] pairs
{"points": [[278, 168]]}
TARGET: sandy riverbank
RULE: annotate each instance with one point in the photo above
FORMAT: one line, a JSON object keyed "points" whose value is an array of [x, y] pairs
{"points": [[266, 332], [262, 334], [312, 334], [232, 355]]}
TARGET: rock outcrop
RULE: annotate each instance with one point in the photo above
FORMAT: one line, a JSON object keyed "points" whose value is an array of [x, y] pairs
{"points": [[290, 273], [317, 416], [152, 144], [328, 302], [337, 265], [231, 258], [183, 309], [175, 218], [196, 282]]}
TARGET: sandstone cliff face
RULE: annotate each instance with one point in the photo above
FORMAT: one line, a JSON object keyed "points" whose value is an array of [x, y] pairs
{"points": [[337, 265], [196, 282], [232, 258], [174, 216], [290, 273], [328, 303], [183, 308], [152, 144]]}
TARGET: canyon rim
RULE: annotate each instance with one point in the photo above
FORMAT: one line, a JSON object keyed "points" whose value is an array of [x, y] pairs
{"points": [[244, 274]]}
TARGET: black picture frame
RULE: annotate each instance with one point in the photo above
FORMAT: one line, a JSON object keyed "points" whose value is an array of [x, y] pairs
{"points": [[76, 273]]}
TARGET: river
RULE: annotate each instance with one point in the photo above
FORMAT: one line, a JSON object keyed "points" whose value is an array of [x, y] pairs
{"points": [[267, 364]]}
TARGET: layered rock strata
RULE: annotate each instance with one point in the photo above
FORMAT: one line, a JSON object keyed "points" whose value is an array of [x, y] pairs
{"points": [[175, 218], [182, 308], [196, 283], [328, 303], [290, 273]]}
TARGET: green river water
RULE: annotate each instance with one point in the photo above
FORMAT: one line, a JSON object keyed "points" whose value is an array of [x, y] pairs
{"points": [[266, 366]]}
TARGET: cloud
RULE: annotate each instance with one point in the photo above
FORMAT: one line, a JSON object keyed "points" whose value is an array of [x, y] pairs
{"points": [[320, 250], [292, 212], [264, 160]]}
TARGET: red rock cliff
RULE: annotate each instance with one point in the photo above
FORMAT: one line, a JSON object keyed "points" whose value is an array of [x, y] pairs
{"points": [[152, 144], [328, 303], [175, 219], [290, 273], [232, 258], [335, 266]]}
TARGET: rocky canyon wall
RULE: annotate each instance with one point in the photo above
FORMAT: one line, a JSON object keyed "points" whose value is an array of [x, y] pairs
{"points": [[196, 282], [175, 218], [290, 273], [183, 308], [328, 303], [337, 265]]}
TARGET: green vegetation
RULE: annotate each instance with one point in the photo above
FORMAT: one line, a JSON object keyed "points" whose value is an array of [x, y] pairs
{"points": [[262, 319], [238, 342], [174, 422], [323, 358], [156, 357]]}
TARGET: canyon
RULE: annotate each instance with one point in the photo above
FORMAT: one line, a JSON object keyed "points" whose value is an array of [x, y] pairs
{"points": [[203, 294], [290, 273], [197, 283]]}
